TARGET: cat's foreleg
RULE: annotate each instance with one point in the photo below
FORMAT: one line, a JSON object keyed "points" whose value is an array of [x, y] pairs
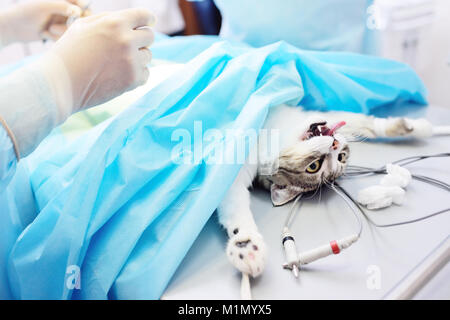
{"points": [[245, 249], [371, 127], [402, 127]]}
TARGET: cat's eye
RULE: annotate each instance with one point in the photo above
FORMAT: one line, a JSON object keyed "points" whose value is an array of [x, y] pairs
{"points": [[342, 157], [314, 167]]}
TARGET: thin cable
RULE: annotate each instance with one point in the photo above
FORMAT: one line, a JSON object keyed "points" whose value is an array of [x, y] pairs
{"points": [[290, 217], [391, 224], [348, 201], [368, 171], [429, 180], [412, 221], [359, 171], [419, 158], [351, 204]]}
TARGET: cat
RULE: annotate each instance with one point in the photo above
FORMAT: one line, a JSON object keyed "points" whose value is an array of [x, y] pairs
{"points": [[314, 149]]}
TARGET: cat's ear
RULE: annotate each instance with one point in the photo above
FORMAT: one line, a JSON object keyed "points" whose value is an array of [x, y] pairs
{"points": [[283, 195]]}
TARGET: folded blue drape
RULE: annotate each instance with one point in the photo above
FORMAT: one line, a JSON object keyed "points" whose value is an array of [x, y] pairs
{"points": [[115, 205]]}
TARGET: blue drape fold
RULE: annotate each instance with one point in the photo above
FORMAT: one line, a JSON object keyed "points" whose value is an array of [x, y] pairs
{"points": [[115, 206]]}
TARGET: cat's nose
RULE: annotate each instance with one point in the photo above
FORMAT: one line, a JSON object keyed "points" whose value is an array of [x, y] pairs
{"points": [[335, 145]]}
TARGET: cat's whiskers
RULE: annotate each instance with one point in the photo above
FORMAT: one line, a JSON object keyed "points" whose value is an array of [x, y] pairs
{"points": [[354, 138], [314, 194], [320, 194], [328, 183]]}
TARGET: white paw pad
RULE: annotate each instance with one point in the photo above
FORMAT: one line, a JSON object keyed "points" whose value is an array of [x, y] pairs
{"points": [[246, 251]]}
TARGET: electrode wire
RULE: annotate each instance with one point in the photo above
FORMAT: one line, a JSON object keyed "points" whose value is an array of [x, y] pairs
{"points": [[391, 224], [351, 204], [359, 171], [290, 217]]}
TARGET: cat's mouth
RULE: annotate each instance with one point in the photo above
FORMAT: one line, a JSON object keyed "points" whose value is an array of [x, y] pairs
{"points": [[321, 129]]}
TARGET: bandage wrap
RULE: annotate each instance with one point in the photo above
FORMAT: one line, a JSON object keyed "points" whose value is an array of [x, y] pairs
{"points": [[379, 127], [389, 191], [28, 107], [396, 177], [422, 128], [378, 197]]}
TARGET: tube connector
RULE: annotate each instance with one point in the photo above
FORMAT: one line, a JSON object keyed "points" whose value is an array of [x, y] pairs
{"points": [[290, 251], [333, 248]]}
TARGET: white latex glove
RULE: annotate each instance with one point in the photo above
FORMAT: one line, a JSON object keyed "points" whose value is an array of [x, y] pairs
{"points": [[98, 58], [101, 57], [36, 20]]}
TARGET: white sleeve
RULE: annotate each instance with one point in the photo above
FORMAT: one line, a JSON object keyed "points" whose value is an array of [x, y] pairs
{"points": [[28, 105], [8, 159]]}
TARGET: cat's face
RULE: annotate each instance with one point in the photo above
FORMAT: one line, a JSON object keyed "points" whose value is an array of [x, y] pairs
{"points": [[320, 155]]}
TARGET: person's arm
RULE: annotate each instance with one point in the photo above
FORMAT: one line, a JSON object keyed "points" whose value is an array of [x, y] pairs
{"points": [[28, 104], [97, 59]]}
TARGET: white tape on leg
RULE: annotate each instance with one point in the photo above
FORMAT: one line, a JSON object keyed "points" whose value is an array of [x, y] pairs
{"points": [[379, 127]]}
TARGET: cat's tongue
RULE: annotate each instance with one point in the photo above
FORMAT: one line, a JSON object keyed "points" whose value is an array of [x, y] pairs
{"points": [[330, 132]]}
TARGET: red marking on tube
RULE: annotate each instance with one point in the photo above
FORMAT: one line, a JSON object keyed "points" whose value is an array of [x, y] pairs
{"points": [[335, 247]]}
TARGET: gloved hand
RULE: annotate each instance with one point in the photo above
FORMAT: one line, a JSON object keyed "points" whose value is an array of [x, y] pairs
{"points": [[97, 59], [37, 20], [100, 57]]}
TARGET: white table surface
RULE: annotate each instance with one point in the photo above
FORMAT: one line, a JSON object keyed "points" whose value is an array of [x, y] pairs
{"points": [[206, 273]]}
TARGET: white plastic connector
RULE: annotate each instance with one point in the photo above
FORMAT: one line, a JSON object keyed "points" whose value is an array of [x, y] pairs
{"points": [[290, 251], [441, 131], [333, 248], [246, 292]]}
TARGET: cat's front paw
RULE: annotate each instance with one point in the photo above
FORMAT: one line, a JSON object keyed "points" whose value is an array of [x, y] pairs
{"points": [[403, 127], [398, 127], [246, 250]]}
